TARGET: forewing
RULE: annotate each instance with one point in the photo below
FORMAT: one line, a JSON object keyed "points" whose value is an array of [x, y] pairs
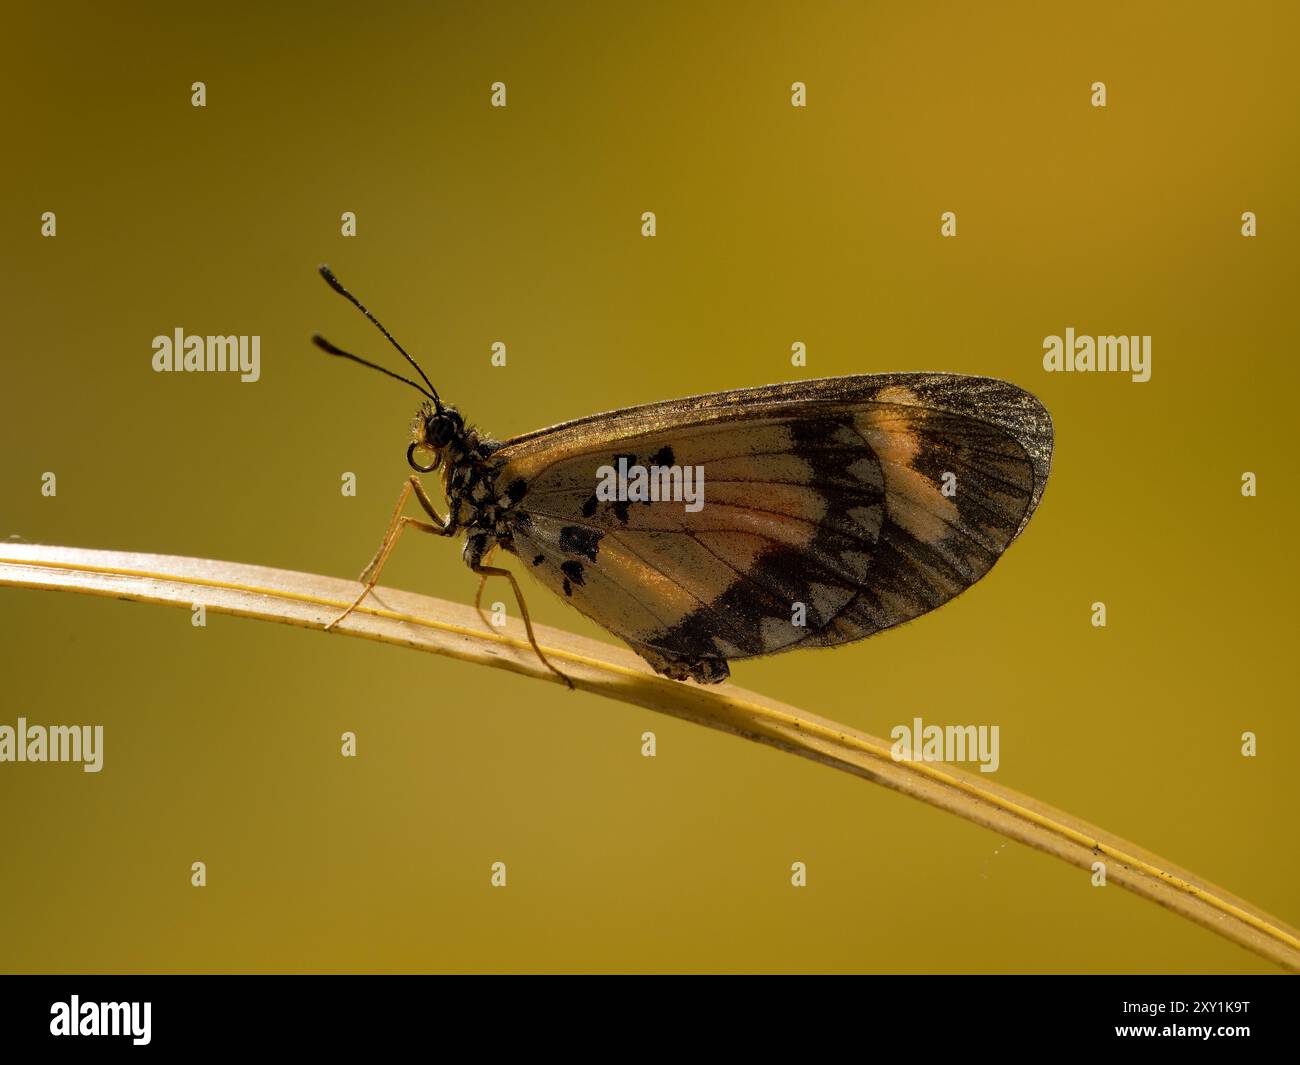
{"points": [[831, 509]]}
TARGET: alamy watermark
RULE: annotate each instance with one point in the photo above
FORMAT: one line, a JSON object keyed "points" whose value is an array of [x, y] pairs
{"points": [[53, 743], [631, 483], [919, 742], [208, 354], [1108, 354]]}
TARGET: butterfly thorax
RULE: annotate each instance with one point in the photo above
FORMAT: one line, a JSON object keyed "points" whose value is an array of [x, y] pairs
{"points": [[477, 502]]}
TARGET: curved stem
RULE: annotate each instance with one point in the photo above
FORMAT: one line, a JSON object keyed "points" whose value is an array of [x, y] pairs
{"points": [[428, 624]]}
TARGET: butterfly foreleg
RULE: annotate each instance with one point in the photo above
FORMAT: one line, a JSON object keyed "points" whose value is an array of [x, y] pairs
{"points": [[412, 484], [474, 556], [438, 527]]}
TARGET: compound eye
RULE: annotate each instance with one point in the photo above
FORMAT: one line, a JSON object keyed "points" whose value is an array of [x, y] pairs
{"points": [[410, 458], [439, 432]]}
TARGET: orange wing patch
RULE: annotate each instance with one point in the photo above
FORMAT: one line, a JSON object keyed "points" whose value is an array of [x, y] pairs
{"points": [[894, 435]]}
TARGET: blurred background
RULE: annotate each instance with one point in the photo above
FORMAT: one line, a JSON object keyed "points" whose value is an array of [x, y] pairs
{"points": [[523, 225]]}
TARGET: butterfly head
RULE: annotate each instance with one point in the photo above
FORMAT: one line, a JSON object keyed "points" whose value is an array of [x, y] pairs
{"points": [[436, 431]]}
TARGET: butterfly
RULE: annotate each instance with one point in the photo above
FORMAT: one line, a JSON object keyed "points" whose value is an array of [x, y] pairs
{"points": [[721, 527]]}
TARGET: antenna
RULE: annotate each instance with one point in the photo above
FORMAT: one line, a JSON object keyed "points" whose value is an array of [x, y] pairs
{"points": [[331, 349], [324, 345]]}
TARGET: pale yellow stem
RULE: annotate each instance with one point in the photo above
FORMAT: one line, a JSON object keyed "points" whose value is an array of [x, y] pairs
{"points": [[451, 629]]}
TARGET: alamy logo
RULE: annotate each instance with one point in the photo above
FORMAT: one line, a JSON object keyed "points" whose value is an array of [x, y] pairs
{"points": [[102, 1018], [208, 354], [630, 483], [53, 743], [919, 742], [1084, 354]]}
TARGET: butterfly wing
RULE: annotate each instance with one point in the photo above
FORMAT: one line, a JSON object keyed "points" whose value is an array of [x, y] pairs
{"points": [[831, 510]]}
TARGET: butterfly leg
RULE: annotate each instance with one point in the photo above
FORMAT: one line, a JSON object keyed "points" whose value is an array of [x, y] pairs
{"points": [[412, 485], [438, 527], [497, 571], [482, 583], [478, 600]]}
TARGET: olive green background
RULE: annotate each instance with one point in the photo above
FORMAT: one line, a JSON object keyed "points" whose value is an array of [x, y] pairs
{"points": [[522, 225]]}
